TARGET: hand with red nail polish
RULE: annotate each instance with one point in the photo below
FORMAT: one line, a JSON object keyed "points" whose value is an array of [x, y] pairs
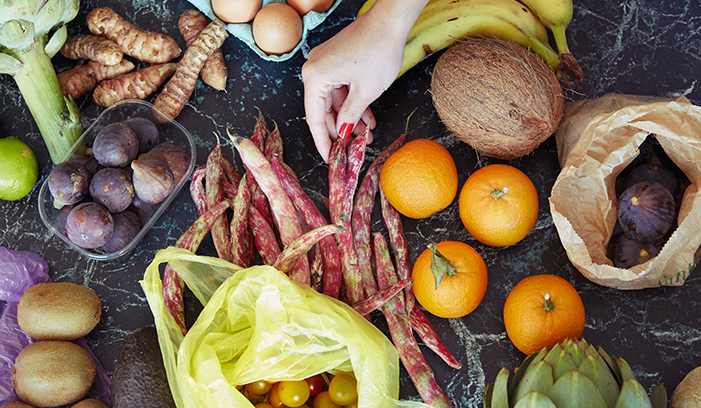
{"points": [[343, 75]]}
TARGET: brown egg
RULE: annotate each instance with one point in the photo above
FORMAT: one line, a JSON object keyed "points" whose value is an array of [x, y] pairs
{"points": [[305, 6], [236, 11], [277, 29]]}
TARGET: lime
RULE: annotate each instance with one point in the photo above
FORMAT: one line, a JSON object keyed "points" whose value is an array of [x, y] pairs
{"points": [[19, 169]]}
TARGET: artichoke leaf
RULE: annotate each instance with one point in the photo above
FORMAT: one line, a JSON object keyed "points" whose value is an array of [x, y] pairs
{"points": [[576, 390], [561, 362], [535, 400], [612, 364], [533, 358], [658, 396], [17, 9], [626, 371], [9, 65], [56, 42], [598, 371], [17, 34], [500, 394], [538, 378], [633, 395], [54, 13], [487, 396]]}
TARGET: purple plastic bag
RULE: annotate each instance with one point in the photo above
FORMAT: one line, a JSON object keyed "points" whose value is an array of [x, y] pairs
{"points": [[18, 271]]}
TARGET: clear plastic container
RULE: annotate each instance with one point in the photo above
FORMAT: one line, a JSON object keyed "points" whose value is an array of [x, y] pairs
{"points": [[169, 131]]}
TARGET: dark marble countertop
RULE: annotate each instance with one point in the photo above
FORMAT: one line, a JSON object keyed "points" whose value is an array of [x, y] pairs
{"points": [[640, 47]]}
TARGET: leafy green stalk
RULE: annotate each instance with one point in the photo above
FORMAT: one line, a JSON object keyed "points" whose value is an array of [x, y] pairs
{"points": [[31, 32]]}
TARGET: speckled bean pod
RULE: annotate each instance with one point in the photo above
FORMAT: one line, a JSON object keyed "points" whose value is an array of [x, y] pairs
{"points": [[197, 190], [281, 206], [242, 246], [362, 213], [190, 240], [301, 246], [215, 195], [430, 337], [232, 176], [273, 144], [400, 329], [313, 217], [397, 240], [380, 297], [264, 236]]}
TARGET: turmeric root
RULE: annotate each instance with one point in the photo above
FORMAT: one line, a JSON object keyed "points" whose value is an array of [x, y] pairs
{"points": [[82, 79], [146, 46], [92, 47], [177, 91], [135, 85], [214, 72]]}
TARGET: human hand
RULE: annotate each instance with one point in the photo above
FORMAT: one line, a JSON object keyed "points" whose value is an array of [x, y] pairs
{"points": [[348, 72]]}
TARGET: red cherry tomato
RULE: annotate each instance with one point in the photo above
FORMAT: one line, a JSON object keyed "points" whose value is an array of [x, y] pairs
{"points": [[316, 384], [293, 393], [260, 387], [274, 397], [343, 389]]}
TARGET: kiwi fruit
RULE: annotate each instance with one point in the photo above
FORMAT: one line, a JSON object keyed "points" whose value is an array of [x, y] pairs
{"points": [[52, 373], [58, 311]]}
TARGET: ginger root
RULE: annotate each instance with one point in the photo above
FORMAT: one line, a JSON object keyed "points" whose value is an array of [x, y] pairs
{"points": [[146, 46], [179, 88], [214, 72], [92, 47], [82, 79], [135, 85]]}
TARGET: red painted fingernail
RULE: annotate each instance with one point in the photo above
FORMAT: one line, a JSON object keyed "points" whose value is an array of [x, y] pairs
{"points": [[346, 130]]}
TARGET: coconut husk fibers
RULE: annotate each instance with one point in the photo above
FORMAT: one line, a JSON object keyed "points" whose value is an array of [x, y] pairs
{"points": [[496, 96]]}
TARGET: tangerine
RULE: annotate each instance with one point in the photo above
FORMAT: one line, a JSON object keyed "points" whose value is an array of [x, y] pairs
{"points": [[498, 205], [420, 178], [449, 279], [541, 311]]}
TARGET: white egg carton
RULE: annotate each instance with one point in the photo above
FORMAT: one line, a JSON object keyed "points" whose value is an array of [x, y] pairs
{"points": [[243, 31]]}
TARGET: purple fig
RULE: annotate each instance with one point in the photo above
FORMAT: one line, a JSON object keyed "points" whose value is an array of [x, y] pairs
{"points": [[89, 225], [153, 180]]}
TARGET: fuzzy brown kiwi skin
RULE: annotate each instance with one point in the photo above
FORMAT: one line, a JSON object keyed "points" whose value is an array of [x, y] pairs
{"points": [[58, 311], [52, 373]]}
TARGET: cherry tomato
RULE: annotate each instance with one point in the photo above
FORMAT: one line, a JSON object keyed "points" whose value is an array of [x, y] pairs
{"points": [[323, 400], [352, 405], [274, 397], [259, 387], [293, 393], [316, 384], [343, 389]]}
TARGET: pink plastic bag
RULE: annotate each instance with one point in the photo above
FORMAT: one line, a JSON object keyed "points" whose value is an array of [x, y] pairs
{"points": [[18, 271]]}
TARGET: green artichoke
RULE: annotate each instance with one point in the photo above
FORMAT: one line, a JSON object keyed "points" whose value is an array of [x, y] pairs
{"points": [[572, 374]]}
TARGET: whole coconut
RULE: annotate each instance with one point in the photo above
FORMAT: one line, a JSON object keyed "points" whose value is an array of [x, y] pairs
{"points": [[496, 96]]}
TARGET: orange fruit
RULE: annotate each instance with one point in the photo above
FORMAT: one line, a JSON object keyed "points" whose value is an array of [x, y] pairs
{"points": [[498, 205], [543, 310], [420, 178], [460, 290]]}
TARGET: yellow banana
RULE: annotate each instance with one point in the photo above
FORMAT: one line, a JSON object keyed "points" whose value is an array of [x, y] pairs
{"points": [[556, 15], [442, 26]]}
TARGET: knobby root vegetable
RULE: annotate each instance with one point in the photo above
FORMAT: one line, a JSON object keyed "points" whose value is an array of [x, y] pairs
{"points": [[134, 85], [146, 46], [687, 394], [215, 194], [214, 72], [380, 297], [264, 236], [362, 213], [283, 210], [242, 246], [173, 286], [93, 47], [82, 79], [179, 88], [400, 329], [302, 245], [313, 217]]}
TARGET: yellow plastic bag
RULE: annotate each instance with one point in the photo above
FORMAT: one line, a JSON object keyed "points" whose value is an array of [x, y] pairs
{"points": [[257, 324]]}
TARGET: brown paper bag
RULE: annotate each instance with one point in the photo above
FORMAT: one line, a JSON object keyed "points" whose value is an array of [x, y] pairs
{"points": [[596, 140]]}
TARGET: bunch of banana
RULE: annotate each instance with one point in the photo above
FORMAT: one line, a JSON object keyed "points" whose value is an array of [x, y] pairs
{"points": [[444, 22]]}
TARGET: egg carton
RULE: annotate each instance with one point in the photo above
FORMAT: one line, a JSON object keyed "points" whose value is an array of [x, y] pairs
{"points": [[244, 32]]}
